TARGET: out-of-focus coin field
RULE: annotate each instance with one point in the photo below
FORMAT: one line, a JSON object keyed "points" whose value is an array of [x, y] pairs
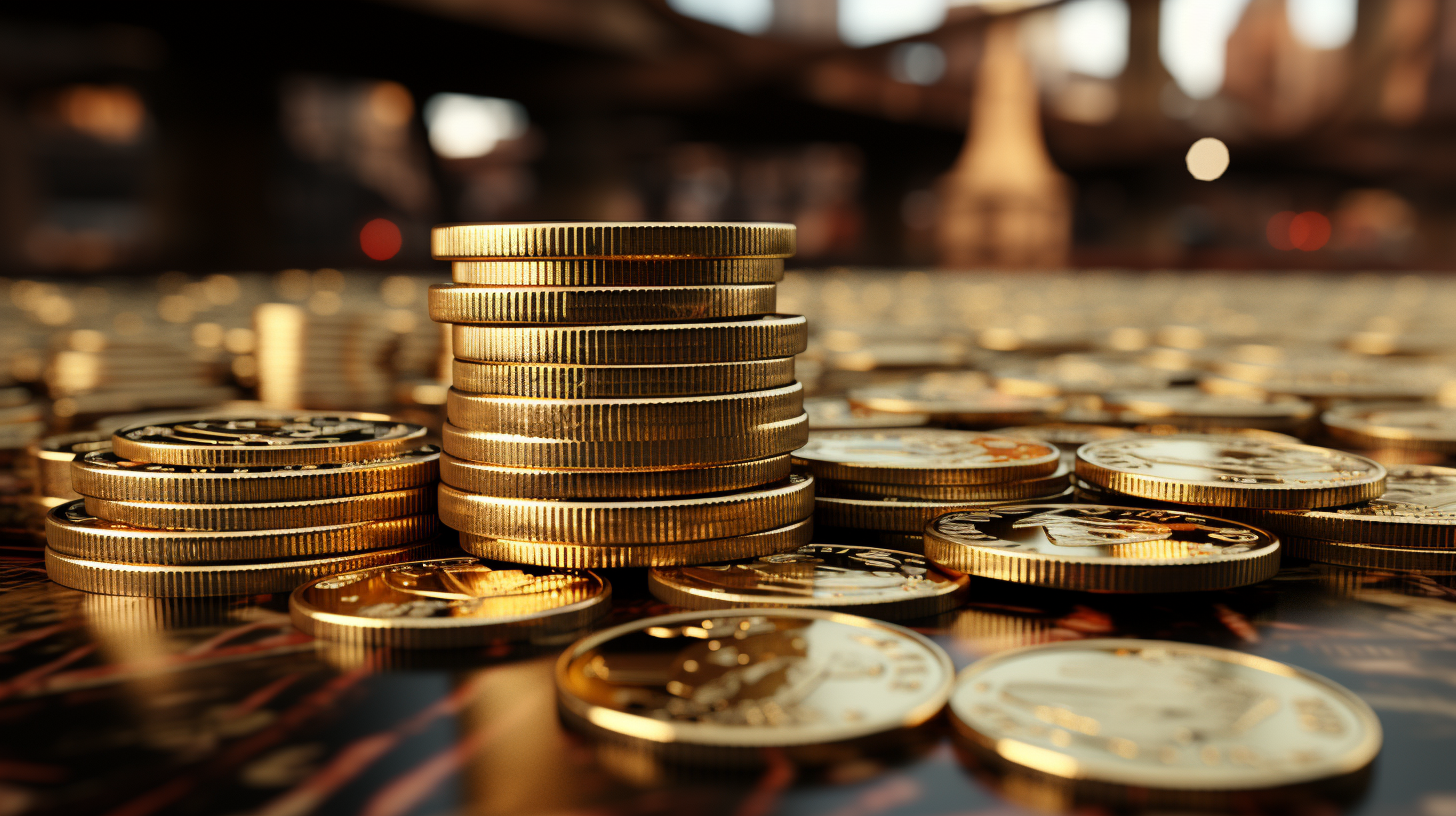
{"points": [[143, 705]]}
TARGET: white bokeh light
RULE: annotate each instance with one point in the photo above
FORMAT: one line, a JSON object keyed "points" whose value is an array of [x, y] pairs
{"points": [[743, 16], [1092, 37], [464, 127], [1192, 38], [870, 22], [1323, 24]]}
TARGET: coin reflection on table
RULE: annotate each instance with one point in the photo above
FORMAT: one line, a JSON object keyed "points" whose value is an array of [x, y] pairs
{"points": [[718, 688]]}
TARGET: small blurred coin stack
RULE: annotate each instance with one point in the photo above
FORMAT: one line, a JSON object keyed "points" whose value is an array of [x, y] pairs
{"points": [[881, 486], [624, 393], [244, 505]]}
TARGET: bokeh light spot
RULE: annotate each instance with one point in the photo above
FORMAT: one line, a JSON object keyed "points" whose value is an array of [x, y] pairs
{"points": [[1207, 159], [380, 239], [1309, 231]]}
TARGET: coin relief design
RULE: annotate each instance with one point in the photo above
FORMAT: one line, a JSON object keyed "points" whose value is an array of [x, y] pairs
{"points": [[1220, 460], [262, 441], [925, 454], [1100, 531], [1404, 426], [1161, 715]]}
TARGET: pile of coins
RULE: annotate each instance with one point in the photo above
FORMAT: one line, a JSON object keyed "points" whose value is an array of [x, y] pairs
{"points": [[624, 394], [881, 486], [243, 506]]}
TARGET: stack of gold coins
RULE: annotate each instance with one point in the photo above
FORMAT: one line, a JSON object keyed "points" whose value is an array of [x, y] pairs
{"points": [[236, 506], [1394, 433], [881, 486], [624, 393]]}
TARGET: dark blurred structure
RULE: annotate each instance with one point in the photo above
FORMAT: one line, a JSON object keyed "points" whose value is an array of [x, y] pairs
{"points": [[148, 136]]}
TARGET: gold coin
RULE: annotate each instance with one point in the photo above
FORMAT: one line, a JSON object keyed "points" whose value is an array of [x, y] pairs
{"points": [[1372, 556], [925, 456], [837, 414], [251, 442], [657, 521], [447, 603], [1054, 484], [886, 539], [1355, 379], [1065, 435], [1418, 509], [508, 450], [1228, 471], [53, 457], [962, 397], [625, 420], [759, 338], [104, 475], [618, 272], [1216, 430], [612, 556], [1097, 548], [719, 687], [72, 530], [275, 515], [1190, 407], [1403, 426], [1078, 374], [616, 382], [902, 515], [458, 303], [612, 239], [1159, 724], [870, 581], [609, 483], [204, 580]]}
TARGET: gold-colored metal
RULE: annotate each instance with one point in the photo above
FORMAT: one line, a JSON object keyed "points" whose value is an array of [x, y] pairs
{"points": [[204, 580], [1025, 489], [609, 483], [1065, 435], [1158, 723], [625, 420], [18, 435], [618, 272], [53, 456], [657, 521], [869, 581], [507, 450], [612, 239], [275, 515], [716, 688], [104, 475], [447, 603], [885, 539], [759, 338], [645, 554], [460, 303], [1393, 425], [1418, 509], [903, 515], [1190, 407], [1097, 548], [950, 402], [254, 442], [1229, 471], [617, 382], [1217, 430], [837, 414], [72, 530], [925, 456], [1372, 556]]}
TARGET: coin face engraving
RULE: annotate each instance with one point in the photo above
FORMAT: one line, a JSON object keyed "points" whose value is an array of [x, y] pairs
{"points": [[1100, 532], [1231, 461], [1164, 715], [311, 430]]}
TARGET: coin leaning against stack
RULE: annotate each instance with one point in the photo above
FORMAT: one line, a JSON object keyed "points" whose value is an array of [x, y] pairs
{"points": [[624, 393], [244, 505]]}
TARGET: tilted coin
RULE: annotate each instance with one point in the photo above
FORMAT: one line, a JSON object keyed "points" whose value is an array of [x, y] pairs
{"points": [[204, 580], [1418, 509], [609, 483], [903, 515], [961, 397], [1192, 407], [1372, 556], [612, 239], [1412, 427], [836, 414], [1158, 723], [104, 475], [868, 581], [252, 442], [755, 338], [1025, 489], [619, 381], [642, 554], [618, 271], [1220, 470], [1097, 548], [72, 530], [925, 456], [447, 603], [512, 450], [719, 687], [625, 420], [274, 515], [54, 455], [655, 521], [461, 303]]}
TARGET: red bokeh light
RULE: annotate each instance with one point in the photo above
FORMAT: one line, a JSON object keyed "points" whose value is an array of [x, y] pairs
{"points": [[1278, 230], [1309, 231], [380, 239]]}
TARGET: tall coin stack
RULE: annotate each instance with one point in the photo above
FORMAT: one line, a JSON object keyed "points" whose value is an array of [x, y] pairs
{"points": [[242, 506], [624, 393]]}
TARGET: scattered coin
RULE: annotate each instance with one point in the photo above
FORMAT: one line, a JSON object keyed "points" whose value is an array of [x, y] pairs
{"points": [[1402, 426], [250, 442], [925, 456]]}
